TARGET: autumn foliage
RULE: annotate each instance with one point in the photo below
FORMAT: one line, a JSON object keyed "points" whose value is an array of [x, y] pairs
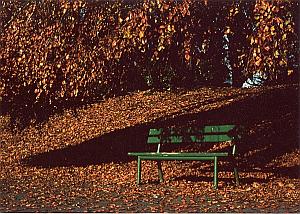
{"points": [[56, 54]]}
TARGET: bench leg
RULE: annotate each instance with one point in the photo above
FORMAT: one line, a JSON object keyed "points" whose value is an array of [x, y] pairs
{"points": [[160, 173], [215, 172], [236, 175], [139, 169]]}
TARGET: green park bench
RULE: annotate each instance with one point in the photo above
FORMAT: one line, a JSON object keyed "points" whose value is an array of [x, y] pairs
{"points": [[205, 134]]}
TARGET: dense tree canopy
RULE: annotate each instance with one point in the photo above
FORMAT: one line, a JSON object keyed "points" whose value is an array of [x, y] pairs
{"points": [[60, 53]]}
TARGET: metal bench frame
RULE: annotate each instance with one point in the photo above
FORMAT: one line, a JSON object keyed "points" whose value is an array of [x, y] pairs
{"points": [[209, 134]]}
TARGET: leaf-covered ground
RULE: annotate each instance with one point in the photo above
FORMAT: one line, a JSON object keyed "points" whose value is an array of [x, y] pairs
{"points": [[78, 161]]}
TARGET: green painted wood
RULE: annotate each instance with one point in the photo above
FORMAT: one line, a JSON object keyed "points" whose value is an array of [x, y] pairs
{"points": [[216, 138], [194, 139], [212, 134], [175, 158], [179, 154], [152, 139], [215, 172], [218, 128], [154, 132], [209, 129], [139, 171], [176, 139]]}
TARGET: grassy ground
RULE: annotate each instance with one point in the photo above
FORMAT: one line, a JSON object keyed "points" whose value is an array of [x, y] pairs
{"points": [[77, 162]]}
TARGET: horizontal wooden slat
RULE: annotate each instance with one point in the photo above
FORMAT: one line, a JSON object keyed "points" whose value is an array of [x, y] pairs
{"points": [[169, 139], [177, 158], [209, 129], [216, 138], [181, 154], [154, 132], [175, 139], [153, 139], [213, 138], [194, 139], [195, 130], [218, 128]]}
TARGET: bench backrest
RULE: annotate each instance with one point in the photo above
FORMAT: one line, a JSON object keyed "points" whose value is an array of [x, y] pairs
{"points": [[204, 134], [211, 134]]}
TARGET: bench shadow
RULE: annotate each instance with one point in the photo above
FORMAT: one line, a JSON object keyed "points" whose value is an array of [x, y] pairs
{"points": [[287, 172], [271, 130], [111, 147], [226, 180]]}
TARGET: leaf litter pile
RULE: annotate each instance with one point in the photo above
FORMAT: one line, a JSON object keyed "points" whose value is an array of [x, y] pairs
{"points": [[77, 162]]}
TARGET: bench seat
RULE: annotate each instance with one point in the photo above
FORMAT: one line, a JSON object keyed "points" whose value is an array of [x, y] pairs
{"points": [[175, 155]]}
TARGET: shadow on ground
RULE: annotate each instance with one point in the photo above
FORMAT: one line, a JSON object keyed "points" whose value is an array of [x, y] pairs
{"points": [[271, 130], [107, 148]]}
